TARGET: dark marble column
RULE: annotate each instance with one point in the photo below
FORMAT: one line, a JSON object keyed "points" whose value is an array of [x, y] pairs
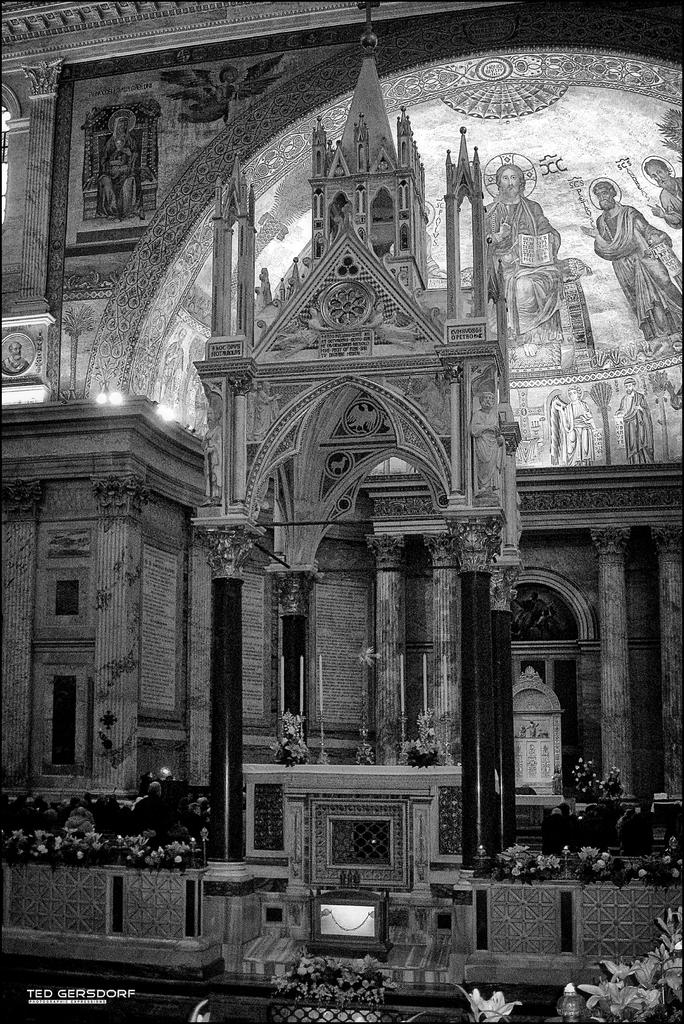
{"points": [[228, 549], [668, 540], [478, 540], [20, 502], [616, 706], [502, 591], [294, 591], [389, 642]]}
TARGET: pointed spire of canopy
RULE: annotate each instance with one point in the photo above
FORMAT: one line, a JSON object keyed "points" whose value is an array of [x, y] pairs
{"points": [[368, 100]]}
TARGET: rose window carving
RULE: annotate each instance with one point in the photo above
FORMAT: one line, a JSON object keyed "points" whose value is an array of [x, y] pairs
{"points": [[347, 305]]}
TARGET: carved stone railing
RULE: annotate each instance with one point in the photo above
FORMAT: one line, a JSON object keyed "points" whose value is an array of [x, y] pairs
{"points": [[556, 930], [154, 911]]}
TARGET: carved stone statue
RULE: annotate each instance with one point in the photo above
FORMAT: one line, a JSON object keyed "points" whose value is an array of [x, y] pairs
{"points": [[488, 443], [213, 447], [265, 294]]}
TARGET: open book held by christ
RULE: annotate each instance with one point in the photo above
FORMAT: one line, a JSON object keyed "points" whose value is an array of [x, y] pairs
{"points": [[535, 250]]}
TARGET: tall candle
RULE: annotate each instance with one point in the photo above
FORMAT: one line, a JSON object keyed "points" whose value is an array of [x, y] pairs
{"points": [[401, 681], [282, 685], [425, 700], [301, 685], [320, 686], [444, 671]]}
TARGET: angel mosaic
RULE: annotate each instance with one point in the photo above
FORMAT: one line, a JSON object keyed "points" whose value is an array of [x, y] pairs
{"points": [[208, 95]]}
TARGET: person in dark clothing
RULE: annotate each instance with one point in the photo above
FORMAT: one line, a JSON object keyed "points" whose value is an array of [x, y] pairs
{"points": [[151, 814], [553, 832], [571, 826]]}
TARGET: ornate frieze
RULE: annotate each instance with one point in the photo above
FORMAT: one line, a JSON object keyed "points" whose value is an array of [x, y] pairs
{"points": [[388, 551], [502, 588], [611, 542], [20, 498], [120, 496], [478, 540], [228, 550], [603, 498], [294, 590], [398, 506], [443, 550], [42, 77]]}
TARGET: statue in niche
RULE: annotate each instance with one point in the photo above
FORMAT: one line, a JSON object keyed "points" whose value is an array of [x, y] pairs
{"points": [[572, 430], [669, 206], [213, 446], [488, 443], [527, 246], [641, 256], [264, 294], [638, 425], [264, 406]]}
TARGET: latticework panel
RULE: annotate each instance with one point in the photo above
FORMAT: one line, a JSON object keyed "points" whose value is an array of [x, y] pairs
{"points": [[283, 1013], [524, 919], [268, 817], [360, 842], [450, 818], [620, 923], [155, 905], [61, 900]]}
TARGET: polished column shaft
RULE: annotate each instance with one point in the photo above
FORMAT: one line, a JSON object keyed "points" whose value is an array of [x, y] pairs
{"points": [[668, 541], [446, 631], [616, 708], [501, 593], [389, 643]]}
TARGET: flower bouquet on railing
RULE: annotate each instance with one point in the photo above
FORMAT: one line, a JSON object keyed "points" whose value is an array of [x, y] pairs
{"points": [[494, 1009], [291, 748], [519, 864], [174, 856], [662, 871], [93, 849], [426, 751]]}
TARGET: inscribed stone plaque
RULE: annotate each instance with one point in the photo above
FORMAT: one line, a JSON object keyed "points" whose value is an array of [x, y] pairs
{"points": [[342, 629], [253, 646], [159, 632]]}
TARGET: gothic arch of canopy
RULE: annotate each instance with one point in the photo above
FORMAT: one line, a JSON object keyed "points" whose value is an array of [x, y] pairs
{"points": [[412, 438]]}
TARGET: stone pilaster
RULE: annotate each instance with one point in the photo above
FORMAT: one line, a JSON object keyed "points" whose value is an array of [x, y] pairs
{"points": [[199, 659], [43, 101], [478, 540], [120, 501], [389, 642], [616, 709], [446, 630], [229, 548], [20, 500], [668, 541], [294, 593], [502, 593]]}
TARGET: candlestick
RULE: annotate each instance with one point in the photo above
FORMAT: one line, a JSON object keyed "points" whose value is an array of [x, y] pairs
{"points": [[425, 700], [401, 683], [282, 685], [320, 686], [444, 672], [301, 685]]}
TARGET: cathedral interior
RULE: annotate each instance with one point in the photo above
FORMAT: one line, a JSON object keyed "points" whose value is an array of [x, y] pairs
{"points": [[341, 499]]}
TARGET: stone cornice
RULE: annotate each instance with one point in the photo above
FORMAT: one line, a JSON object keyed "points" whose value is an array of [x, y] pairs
{"points": [[115, 29]]}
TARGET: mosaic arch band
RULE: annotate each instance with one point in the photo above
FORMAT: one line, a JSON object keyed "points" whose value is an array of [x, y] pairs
{"points": [[641, 256], [526, 244]]}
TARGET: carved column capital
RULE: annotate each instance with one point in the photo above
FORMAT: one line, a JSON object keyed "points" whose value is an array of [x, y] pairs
{"points": [[443, 550], [452, 368], [611, 542], [42, 77], [510, 431], [227, 551], [242, 384], [21, 498], [294, 590], [118, 497], [668, 541], [240, 375], [388, 551], [478, 541], [502, 587]]}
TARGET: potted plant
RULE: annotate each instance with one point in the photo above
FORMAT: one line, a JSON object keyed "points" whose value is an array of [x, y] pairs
{"points": [[649, 989], [325, 988]]}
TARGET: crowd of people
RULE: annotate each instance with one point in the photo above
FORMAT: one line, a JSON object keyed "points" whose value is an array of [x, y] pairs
{"points": [[625, 827], [157, 811]]}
